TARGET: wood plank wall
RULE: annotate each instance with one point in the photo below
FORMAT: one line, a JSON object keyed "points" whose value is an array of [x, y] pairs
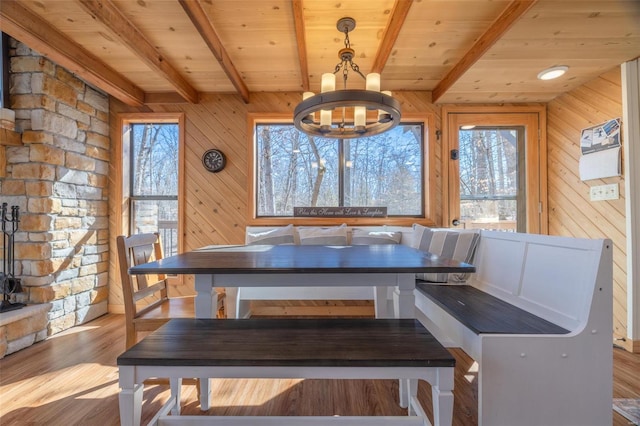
{"points": [[571, 213], [216, 204]]}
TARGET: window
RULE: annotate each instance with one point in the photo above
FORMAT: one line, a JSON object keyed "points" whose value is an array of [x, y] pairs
{"points": [[151, 152], [296, 170], [492, 176]]}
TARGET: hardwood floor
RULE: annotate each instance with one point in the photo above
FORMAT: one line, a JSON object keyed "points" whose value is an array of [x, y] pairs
{"points": [[72, 379]]}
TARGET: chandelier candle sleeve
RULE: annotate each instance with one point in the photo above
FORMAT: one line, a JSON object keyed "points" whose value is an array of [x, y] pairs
{"points": [[373, 81], [360, 118], [328, 82]]}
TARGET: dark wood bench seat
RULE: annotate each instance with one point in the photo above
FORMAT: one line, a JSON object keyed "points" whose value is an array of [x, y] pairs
{"points": [[289, 348], [484, 313]]}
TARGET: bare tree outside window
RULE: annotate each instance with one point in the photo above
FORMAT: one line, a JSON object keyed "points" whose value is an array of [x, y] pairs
{"points": [[298, 170], [154, 181], [491, 181]]}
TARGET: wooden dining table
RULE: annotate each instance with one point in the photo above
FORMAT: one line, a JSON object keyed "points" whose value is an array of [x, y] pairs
{"points": [[233, 267]]}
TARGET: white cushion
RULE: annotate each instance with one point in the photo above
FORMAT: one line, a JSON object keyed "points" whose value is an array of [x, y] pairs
{"points": [[363, 237], [275, 236], [457, 245], [332, 236]]}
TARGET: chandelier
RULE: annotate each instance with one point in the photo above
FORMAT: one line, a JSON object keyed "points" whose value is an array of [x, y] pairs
{"points": [[314, 114]]}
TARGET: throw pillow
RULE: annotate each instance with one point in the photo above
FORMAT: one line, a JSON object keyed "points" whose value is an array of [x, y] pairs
{"points": [[363, 237], [274, 236], [332, 236], [457, 245]]}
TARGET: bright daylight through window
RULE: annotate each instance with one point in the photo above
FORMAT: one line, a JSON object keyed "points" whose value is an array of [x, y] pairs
{"points": [[154, 181], [298, 170]]}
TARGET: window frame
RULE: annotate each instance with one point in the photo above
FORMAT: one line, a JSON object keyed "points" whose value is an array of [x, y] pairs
{"points": [[428, 174], [123, 170]]}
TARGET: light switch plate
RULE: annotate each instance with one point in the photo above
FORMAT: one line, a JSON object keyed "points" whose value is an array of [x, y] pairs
{"points": [[605, 192]]}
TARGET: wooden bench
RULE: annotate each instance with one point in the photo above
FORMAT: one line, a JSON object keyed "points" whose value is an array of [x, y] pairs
{"points": [[537, 318], [261, 348]]}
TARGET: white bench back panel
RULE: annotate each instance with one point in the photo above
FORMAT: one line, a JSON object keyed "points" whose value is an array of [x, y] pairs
{"points": [[551, 277], [557, 279], [498, 266]]}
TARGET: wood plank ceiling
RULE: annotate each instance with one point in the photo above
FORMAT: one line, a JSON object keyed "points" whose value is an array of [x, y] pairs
{"points": [[489, 51]]}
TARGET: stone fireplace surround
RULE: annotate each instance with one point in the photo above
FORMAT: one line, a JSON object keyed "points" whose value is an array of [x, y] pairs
{"points": [[59, 178]]}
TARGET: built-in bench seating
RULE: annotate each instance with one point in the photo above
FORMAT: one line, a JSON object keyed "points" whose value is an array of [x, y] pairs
{"points": [[482, 313], [537, 318]]}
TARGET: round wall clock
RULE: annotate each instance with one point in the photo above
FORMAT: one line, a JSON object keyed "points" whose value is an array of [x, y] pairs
{"points": [[214, 160]]}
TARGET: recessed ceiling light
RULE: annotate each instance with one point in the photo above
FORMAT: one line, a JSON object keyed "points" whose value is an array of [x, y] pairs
{"points": [[553, 72], [467, 127]]}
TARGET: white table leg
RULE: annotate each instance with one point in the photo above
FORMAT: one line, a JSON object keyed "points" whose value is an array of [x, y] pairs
{"points": [[381, 302], [131, 405], [205, 296], [404, 298], [442, 396]]}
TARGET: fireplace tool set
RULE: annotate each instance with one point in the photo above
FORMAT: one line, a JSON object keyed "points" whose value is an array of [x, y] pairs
{"points": [[9, 284]]}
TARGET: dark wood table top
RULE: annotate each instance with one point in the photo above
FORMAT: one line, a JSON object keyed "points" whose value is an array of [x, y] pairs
{"points": [[258, 259], [290, 342]]}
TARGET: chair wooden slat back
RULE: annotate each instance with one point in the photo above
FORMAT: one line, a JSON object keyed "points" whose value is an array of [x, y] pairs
{"points": [[135, 250], [146, 302]]}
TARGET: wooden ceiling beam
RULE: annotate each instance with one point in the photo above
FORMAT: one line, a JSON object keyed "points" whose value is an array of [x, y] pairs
{"points": [[396, 21], [26, 26], [107, 13], [298, 19], [201, 21], [500, 26]]}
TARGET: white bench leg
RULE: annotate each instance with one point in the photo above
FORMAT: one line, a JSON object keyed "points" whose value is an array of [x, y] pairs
{"points": [[131, 405], [231, 301], [176, 393], [205, 393], [442, 396], [235, 306], [412, 392]]}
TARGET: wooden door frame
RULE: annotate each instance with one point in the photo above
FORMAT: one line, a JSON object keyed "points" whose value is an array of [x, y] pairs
{"points": [[534, 119]]}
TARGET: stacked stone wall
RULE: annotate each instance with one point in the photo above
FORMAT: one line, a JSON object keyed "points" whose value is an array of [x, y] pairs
{"points": [[59, 178]]}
